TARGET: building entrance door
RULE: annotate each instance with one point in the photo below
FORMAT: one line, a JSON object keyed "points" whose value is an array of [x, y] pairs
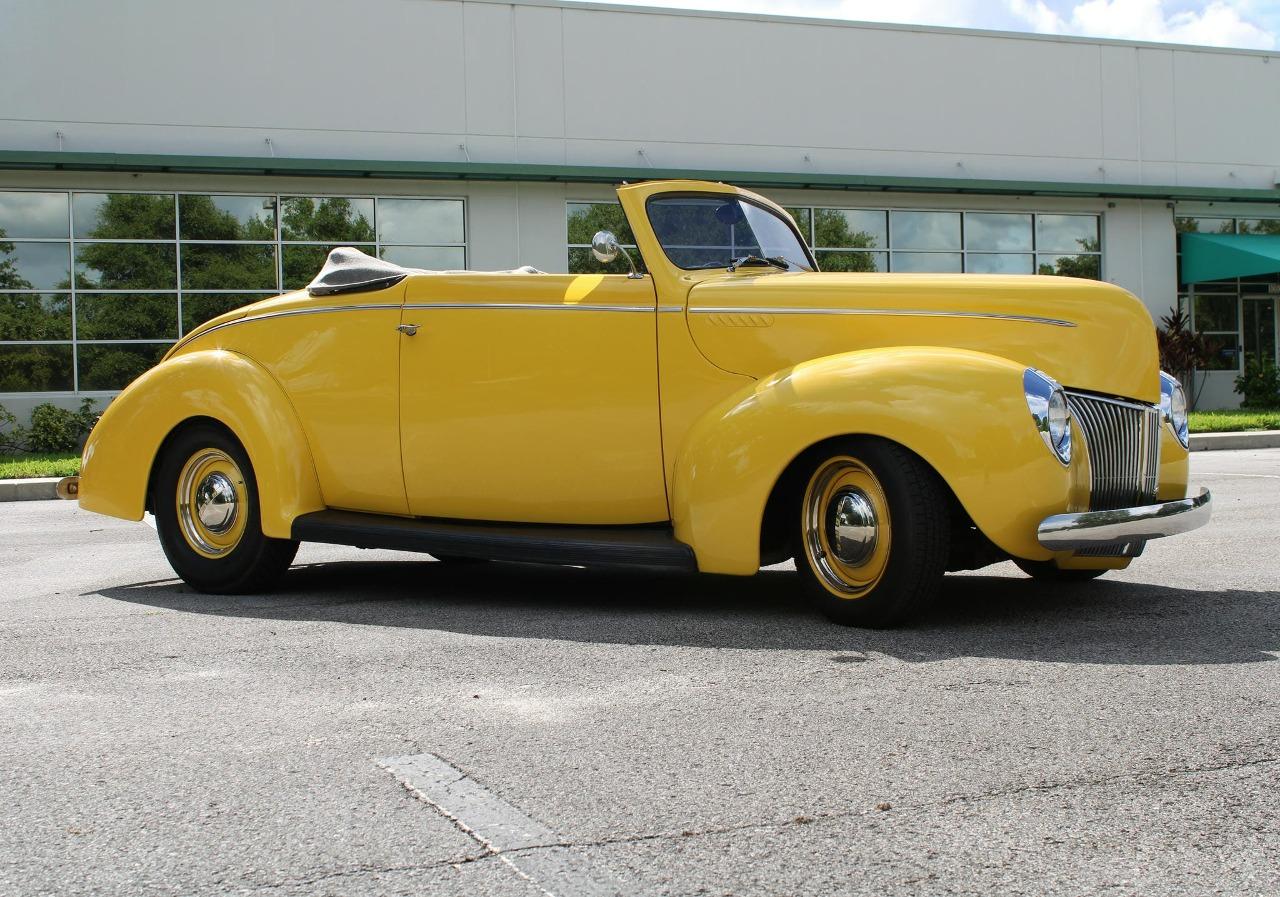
{"points": [[1260, 327]]}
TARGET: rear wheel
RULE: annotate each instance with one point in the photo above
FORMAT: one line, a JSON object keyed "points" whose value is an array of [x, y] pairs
{"points": [[205, 500], [1047, 571], [873, 533]]}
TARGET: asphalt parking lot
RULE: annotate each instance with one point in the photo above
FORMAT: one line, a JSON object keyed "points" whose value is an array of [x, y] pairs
{"points": [[591, 733]]}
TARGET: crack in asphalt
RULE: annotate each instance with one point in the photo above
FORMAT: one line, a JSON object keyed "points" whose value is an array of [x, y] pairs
{"points": [[1150, 775], [1142, 776]]}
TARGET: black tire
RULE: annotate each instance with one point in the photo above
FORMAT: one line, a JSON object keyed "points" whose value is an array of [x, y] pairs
{"points": [[254, 562], [1047, 571], [914, 534]]}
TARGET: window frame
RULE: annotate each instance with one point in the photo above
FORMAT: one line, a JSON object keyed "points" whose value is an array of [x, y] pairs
{"points": [[1034, 254], [1233, 287], [785, 218], [72, 243]]}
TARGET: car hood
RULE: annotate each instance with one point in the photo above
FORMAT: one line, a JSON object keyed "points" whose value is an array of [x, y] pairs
{"points": [[1086, 334]]}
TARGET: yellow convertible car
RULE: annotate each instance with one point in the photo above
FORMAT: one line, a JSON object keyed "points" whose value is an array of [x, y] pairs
{"points": [[731, 408]]}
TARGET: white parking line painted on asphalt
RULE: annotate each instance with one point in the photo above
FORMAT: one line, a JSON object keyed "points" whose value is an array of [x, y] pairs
{"points": [[533, 850]]}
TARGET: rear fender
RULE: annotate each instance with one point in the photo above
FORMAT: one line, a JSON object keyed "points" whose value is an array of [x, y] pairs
{"points": [[962, 412], [225, 386]]}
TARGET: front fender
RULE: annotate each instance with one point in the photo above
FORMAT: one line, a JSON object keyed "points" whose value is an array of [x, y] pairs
{"points": [[214, 383], [963, 412]]}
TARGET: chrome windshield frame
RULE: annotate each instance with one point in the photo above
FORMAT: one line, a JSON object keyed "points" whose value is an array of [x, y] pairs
{"points": [[776, 212]]}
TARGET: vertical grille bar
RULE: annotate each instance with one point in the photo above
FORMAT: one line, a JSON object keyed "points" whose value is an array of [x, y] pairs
{"points": [[1123, 438], [1151, 484]]}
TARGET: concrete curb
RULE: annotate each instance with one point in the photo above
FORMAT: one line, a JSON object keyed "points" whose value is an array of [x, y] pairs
{"points": [[32, 489], [1248, 439]]}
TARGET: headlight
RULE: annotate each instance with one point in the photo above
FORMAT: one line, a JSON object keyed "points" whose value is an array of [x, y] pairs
{"points": [[1049, 410], [1173, 405]]}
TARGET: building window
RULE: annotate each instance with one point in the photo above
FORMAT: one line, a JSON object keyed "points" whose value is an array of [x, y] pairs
{"points": [[1237, 315], [584, 219], [908, 240], [95, 286], [900, 240]]}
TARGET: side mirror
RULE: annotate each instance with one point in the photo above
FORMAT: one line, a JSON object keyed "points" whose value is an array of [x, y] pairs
{"points": [[604, 246]]}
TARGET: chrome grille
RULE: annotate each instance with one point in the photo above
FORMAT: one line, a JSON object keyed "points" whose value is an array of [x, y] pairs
{"points": [[1123, 438]]}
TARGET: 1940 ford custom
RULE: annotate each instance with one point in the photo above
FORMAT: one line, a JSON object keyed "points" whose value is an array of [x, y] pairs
{"points": [[731, 408]]}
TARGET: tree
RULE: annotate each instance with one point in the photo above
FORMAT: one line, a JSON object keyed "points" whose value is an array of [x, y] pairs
{"points": [[332, 220], [9, 277], [831, 228], [587, 218], [1085, 266], [31, 316], [129, 266]]}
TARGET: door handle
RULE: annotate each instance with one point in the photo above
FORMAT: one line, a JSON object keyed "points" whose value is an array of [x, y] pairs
{"points": [[407, 329]]}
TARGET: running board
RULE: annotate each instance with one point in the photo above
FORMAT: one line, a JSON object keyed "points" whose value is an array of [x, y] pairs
{"points": [[625, 546]]}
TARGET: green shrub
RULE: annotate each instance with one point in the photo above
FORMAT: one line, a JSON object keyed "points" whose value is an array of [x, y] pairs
{"points": [[12, 436], [55, 429], [1259, 384]]}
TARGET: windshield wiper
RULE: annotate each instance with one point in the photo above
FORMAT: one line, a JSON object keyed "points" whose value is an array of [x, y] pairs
{"points": [[757, 261]]}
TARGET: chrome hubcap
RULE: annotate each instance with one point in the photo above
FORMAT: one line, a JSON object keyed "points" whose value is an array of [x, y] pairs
{"points": [[851, 526], [212, 504], [845, 527], [216, 504]]}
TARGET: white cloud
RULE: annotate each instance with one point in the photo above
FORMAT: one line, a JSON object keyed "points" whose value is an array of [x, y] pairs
{"points": [[1038, 16], [955, 13], [916, 12], [1218, 23], [1224, 23]]}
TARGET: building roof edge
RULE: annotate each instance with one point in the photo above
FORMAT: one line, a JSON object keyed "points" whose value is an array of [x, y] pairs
{"points": [[39, 160]]}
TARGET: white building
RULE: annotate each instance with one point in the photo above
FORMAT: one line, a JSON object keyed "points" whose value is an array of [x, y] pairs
{"points": [[160, 162]]}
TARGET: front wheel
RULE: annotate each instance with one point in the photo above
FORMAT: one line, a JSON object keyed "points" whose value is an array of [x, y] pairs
{"points": [[205, 500], [873, 535]]}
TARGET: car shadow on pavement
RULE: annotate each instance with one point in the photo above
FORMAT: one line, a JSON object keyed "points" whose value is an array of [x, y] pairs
{"points": [[977, 616]]}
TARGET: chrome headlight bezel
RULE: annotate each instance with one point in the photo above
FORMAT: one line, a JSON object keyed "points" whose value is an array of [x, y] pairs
{"points": [[1050, 412], [1173, 408]]}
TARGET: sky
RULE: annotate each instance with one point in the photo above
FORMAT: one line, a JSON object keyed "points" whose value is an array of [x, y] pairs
{"points": [[1253, 24]]}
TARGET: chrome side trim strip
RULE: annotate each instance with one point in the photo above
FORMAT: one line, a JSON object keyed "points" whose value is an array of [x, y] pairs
{"points": [[428, 306], [289, 313], [1063, 532], [523, 306], [907, 312]]}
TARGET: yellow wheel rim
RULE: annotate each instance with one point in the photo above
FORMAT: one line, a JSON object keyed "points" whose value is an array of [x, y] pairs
{"points": [[213, 503], [846, 529]]}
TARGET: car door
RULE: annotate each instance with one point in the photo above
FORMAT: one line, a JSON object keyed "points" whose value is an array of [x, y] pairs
{"points": [[531, 398], [335, 357]]}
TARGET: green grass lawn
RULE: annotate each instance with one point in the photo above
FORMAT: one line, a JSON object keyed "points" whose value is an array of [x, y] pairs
{"points": [[1234, 421], [62, 464]]}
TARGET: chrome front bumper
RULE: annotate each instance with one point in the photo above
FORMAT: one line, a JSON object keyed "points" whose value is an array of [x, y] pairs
{"points": [[1065, 532]]}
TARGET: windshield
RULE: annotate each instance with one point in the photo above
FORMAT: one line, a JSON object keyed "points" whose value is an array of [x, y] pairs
{"points": [[708, 230]]}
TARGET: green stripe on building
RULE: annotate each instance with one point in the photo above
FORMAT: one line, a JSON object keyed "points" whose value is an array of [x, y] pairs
{"points": [[586, 174]]}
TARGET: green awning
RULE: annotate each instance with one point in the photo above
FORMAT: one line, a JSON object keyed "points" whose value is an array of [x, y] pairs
{"points": [[1216, 256]]}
